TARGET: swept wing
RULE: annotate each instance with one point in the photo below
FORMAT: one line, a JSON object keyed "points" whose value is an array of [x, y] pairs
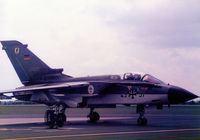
{"points": [[77, 84]]}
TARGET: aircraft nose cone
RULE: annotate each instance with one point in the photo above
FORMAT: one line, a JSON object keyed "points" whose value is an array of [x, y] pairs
{"points": [[178, 95]]}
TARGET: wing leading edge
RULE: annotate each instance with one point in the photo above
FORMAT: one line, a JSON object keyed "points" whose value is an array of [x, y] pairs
{"points": [[46, 86], [76, 84]]}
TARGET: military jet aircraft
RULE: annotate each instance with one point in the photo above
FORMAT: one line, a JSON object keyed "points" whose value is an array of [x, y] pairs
{"points": [[58, 91]]}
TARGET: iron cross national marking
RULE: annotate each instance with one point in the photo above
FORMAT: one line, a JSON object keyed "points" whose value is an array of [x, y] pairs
{"points": [[17, 50], [132, 92]]}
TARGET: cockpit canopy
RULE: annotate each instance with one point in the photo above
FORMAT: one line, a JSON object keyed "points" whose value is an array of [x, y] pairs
{"points": [[131, 76], [142, 77]]}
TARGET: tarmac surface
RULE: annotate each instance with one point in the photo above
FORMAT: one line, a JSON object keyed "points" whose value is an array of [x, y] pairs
{"points": [[112, 126]]}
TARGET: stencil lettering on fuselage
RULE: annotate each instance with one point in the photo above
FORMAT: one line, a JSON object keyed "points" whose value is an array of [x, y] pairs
{"points": [[132, 93]]}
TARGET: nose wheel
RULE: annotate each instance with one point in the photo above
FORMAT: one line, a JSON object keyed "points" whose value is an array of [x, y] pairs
{"points": [[93, 116], [142, 121]]}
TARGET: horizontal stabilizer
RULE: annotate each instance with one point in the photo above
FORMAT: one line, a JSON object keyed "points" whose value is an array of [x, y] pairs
{"points": [[4, 97]]}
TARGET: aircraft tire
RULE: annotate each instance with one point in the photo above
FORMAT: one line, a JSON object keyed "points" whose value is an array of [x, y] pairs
{"points": [[94, 117], [47, 116], [142, 121], [51, 121], [61, 119]]}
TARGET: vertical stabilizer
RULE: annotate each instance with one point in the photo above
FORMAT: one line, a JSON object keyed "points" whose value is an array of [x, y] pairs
{"points": [[30, 69]]}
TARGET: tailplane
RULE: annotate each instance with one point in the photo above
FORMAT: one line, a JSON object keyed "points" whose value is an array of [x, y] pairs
{"points": [[30, 69]]}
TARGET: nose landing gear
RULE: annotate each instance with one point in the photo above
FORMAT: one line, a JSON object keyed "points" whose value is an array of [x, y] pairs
{"points": [[142, 121]]}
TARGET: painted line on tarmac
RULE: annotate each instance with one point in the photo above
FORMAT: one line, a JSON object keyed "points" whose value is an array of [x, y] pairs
{"points": [[7, 121], [38, 129], [101, 134], [56, 130], [15, 129]]}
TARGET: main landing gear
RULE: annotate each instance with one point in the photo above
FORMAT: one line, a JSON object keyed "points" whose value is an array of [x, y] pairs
{"points": [[142, 121], [94, 116], [55, 116]]}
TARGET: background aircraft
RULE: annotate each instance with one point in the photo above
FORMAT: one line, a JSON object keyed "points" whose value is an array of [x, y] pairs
{"points": [[58, 91]]}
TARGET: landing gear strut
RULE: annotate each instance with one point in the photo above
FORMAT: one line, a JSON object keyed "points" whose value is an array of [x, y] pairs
{"points": [[94, 116], [55, 116], [141, 120]]}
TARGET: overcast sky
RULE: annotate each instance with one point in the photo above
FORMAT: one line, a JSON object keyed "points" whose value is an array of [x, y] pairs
{"points": [[94, 37]]}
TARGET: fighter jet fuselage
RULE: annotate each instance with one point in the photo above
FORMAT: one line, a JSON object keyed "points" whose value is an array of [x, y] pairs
{"points": [[45, 85]]}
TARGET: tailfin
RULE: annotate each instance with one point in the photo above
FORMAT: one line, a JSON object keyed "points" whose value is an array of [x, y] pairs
{"points": [[30, 69]]}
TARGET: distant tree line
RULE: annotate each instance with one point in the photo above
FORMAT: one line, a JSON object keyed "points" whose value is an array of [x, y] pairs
{"points": [[15, 102]]}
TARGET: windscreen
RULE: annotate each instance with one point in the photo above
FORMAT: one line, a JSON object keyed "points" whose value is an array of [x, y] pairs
{"points": [[151, 79]]}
